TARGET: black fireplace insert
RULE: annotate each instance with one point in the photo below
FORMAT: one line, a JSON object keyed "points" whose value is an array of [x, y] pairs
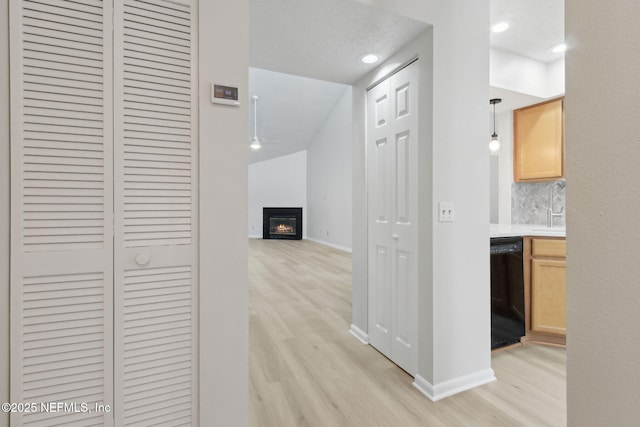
{"points": [[282, 223]]}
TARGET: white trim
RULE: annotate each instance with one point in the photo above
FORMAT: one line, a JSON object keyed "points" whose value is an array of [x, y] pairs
{"points": [[322, 242], [424, 387], [5, 211], [360, 335], [255, 237], [453, 386], [392, 72]]}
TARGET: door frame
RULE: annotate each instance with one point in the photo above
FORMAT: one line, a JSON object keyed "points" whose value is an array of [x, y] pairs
{"points": [[5, 211]]}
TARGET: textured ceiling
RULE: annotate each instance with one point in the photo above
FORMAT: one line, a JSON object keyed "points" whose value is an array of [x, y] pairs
{"points": [[291, 110], [536, 27], [324, 39]]}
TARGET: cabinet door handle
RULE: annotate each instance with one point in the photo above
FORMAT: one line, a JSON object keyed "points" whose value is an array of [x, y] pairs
{"points": [[394, 236]]}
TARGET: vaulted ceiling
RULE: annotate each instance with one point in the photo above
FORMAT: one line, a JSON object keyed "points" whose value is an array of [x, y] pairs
{"points": [[324, 40]]}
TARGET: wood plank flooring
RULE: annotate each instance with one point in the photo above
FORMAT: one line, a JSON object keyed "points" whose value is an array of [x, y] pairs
{"points": [[307, 370]]}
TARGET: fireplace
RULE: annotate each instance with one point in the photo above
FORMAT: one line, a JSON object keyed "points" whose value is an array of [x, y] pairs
{"points": [[282, 223]]}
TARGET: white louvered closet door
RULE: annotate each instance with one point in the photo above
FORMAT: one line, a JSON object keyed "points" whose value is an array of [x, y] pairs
{"points": [[156, 274], [61, 198], [104, 110]]}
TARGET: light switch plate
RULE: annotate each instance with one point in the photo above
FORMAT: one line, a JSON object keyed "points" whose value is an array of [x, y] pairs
{"points": [[445, 212]]}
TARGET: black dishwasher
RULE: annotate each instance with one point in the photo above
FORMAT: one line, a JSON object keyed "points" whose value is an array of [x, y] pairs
{"points": [[507, 291]]}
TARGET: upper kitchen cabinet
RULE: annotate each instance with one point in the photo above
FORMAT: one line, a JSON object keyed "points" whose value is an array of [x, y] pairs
{"points": [[538, 142]]}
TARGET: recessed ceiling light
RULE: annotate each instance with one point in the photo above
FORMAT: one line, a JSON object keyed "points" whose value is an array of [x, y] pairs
{"points": [[562, 47], [370, 58], [500, 27]]}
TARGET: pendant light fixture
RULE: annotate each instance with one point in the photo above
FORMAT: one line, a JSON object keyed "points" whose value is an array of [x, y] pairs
{"points": [[255, 142], [494, 144]]}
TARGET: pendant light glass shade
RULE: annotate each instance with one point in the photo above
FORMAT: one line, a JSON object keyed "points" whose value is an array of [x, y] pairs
{"points": [[494, 143]]}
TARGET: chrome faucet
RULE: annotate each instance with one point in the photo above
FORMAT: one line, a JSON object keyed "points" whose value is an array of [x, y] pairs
{"points": [[550, 212]]}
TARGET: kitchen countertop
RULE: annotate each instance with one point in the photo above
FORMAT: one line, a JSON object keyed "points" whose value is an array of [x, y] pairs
{"points": [[511, 230]]}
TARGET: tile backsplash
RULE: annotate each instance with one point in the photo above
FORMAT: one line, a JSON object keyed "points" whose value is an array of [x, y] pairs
{"points": [[530, 201]]}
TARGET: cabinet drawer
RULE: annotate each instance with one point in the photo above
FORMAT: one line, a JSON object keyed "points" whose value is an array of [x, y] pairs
{"points": [[549, 247]]}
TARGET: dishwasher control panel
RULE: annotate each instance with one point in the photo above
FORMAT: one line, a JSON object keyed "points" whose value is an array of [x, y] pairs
{"points": [[505, 247]]}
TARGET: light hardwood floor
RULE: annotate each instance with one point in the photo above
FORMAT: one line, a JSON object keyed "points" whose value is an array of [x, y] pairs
{"points": [[307, 370]]}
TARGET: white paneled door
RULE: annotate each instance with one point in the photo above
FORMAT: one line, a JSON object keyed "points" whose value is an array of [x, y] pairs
{"points": [[104, 211], [392, 129]]}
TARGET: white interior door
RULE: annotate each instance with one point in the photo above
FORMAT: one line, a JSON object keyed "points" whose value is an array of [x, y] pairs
{"points": [[61, 199], [392, 141], [104, 110], [379, 176], [156, 274]]}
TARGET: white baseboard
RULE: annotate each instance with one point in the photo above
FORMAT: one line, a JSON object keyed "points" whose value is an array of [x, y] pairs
{"points": [[359, 334], [322, 242], [255, 237], [454, 386]]}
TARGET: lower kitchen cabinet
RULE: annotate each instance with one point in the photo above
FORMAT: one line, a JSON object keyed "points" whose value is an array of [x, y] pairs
{"points": [[548, 296], [546, 289]]}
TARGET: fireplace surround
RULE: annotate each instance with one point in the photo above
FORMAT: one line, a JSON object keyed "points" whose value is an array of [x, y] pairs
{"points": [[282, 223]]}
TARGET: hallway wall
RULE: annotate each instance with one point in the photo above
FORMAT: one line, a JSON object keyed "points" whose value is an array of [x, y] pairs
{"points": [[603, 201], [329, 175]]}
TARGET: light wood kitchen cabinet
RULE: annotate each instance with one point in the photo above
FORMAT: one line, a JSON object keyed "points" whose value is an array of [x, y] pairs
{"points": [[538, 142], [545, 289]]}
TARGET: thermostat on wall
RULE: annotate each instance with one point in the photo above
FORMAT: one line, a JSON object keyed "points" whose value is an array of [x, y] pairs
{"points": [[227, 95]]}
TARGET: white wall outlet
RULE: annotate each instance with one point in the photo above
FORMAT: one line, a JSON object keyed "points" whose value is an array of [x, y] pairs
{"points": [[445, 212]]}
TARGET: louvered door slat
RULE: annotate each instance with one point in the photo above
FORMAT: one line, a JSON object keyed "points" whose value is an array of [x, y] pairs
{"points": [[177, 66], [170, 140], [159, 38], [42, 148], [154, 92], [156, 153], [52, 60], [89, 148], [62, 35], [62, 102], [63, 69], [150, 57], [145, 114], [51, 71], [156, 51], [176, 27], [156, 28], [170, 8], [172, 12], [136, 104], [62, 273], [84, 56], [80, 47], [66, 10], [64, 28]]}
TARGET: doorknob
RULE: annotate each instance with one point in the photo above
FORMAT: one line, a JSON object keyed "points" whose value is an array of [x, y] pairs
{"points": [[142, 259], [394, 236]]}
